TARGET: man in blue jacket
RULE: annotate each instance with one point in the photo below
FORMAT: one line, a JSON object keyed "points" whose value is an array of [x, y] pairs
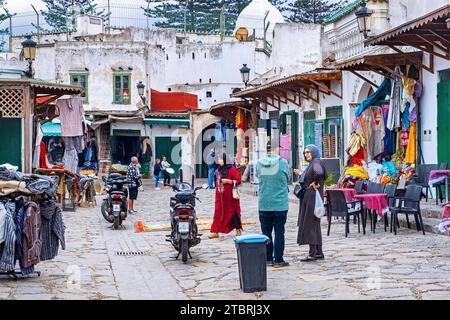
{"points": [[273, 174], [212, 167]]}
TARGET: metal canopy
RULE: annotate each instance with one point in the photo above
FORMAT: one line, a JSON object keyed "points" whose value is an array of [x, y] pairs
{"points": [[228, 110]]}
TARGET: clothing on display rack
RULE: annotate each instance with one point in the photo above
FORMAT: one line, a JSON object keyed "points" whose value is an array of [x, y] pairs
{"points": [[53, 230], [380, 94], [147, 151], [32, 239], [71, 114]]}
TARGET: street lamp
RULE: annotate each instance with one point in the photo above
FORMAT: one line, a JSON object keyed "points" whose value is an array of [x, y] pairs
{"points": [[29, 54], [141, 91], [245, 72], [364, 19]]}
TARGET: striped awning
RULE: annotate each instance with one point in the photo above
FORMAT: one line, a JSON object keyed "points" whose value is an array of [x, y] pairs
{"points": [[168, 121]]}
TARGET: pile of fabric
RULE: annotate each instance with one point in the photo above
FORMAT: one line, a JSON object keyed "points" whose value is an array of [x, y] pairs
{"points": [[30, 232], [12, 181], [352, 175]]}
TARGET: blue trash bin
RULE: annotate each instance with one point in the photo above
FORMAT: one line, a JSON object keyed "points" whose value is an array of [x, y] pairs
{"points": [[251, 253]]}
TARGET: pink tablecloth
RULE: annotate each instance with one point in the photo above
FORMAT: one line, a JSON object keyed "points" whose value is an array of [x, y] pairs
{"points": [[445, 221], [349, 193], [375, 201], [437, 176]]}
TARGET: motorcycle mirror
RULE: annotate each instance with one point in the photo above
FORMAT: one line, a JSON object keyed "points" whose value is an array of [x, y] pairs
{"points": [[170, 171]]}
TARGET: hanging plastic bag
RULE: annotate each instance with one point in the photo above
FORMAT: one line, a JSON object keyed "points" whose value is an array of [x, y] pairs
{"points": [[319, 209]]}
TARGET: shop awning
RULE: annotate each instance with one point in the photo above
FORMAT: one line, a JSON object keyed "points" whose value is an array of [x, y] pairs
{"points": [[306, 85], [228, 110], [429, 33], [168, 121], [383, 64], [51, 129]]}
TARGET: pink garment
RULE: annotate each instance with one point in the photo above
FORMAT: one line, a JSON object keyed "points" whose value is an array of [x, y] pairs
{"points": [[349, 193], [285, 142], [445, 221], [71, 114], [377, 202], [284, 153]]}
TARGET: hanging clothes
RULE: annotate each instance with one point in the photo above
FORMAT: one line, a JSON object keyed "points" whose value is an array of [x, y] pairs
{"points": [[147, 152], [53, 230], [71, 114], [383, 90], [32, 240], [404, 136], [18, 221], [37, 161], [9, 236], [410, 157], [405, 116], [396, 102], [379, 132], [388, 138], [218, 132]]}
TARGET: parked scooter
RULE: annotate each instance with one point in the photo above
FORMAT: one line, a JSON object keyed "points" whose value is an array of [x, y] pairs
{"points": [[115, 206], [183, 217]]}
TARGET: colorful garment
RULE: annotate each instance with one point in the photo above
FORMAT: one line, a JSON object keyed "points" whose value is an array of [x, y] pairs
{"points": [[410, 157]]}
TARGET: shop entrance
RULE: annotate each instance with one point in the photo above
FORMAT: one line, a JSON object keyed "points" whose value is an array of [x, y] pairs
{"points": [[12, 146], [171, 148], [443, 121], [125, 144]]}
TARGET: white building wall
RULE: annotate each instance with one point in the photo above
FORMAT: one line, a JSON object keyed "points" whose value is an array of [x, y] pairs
{"points": [[401, 11], [297, 47]]}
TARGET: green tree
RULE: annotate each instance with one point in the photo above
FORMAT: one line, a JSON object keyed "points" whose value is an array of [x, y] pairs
{"points": [[59, 13], [199, 15], [312, 11], [3, 17]]}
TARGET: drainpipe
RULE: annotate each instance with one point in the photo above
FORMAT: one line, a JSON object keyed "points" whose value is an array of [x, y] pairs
{"points": [[38, 25]]}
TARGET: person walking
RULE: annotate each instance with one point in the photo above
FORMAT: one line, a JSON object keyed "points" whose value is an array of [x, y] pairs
{"points": [[312, 179], [273, 174], [157, 172], [212, 167], [165, 165], [133, 177], [227, 213]]}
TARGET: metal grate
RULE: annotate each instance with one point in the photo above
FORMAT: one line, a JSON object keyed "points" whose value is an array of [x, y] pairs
{"points": [[132, 253], [11, 103]]}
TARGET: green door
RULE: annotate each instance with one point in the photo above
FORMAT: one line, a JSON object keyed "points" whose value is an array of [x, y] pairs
{"points": [[308, 132], [11, 148], [171, 148], [443, 122]]}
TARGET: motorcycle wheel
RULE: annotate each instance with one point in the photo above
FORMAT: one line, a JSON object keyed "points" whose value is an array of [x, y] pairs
{"points": [[184, 250], [116, 222], [105, 213]]}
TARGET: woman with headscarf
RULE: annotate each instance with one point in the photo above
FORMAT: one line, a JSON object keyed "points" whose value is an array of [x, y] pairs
{"points": [[227, 214], [312, 179]]}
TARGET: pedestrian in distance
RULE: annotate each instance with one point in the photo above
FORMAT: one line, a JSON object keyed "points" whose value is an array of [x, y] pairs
{"points": [[157, 172], [312, 179], [211, 161], [133, 179], [273, 174], [165, 165], [227, 213]]}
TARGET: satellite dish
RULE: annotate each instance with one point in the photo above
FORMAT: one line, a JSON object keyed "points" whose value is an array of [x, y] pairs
{"points": [[242, 34]]}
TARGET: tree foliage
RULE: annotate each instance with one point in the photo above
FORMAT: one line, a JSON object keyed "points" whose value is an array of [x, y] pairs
{"points": [[312, 11], [3, 31], [60, 13], [198, 15]]}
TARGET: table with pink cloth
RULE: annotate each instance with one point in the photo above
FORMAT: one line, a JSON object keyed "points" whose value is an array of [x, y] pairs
{"points": [[376, 202], [349, 193], [437, 176], [445, 221]]}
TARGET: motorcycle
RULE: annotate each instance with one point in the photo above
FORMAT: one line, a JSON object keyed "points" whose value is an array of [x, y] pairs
{"points": [[183, 217], [115, 206]]}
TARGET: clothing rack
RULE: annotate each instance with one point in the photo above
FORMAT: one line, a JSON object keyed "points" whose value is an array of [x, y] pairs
{"points": [[34, 197]]}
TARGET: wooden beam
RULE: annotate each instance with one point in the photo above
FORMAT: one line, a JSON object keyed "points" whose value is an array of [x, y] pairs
{"points": [[433, 44], [328, 88], [439, 36], [414, 62], [364, 78]]}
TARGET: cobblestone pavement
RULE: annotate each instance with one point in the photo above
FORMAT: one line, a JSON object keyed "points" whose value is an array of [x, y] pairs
{"points": [[371, 266]]}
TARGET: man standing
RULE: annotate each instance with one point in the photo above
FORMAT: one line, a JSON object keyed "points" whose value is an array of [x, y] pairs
{"points": [[273, 174], [133, 177], [212, 167]]}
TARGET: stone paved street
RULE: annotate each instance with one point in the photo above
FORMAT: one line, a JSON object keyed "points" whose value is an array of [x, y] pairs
{"points": [[380, 266]]}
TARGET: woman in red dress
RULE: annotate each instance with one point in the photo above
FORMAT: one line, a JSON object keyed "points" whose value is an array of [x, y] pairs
{"points": [[227, 214]]}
